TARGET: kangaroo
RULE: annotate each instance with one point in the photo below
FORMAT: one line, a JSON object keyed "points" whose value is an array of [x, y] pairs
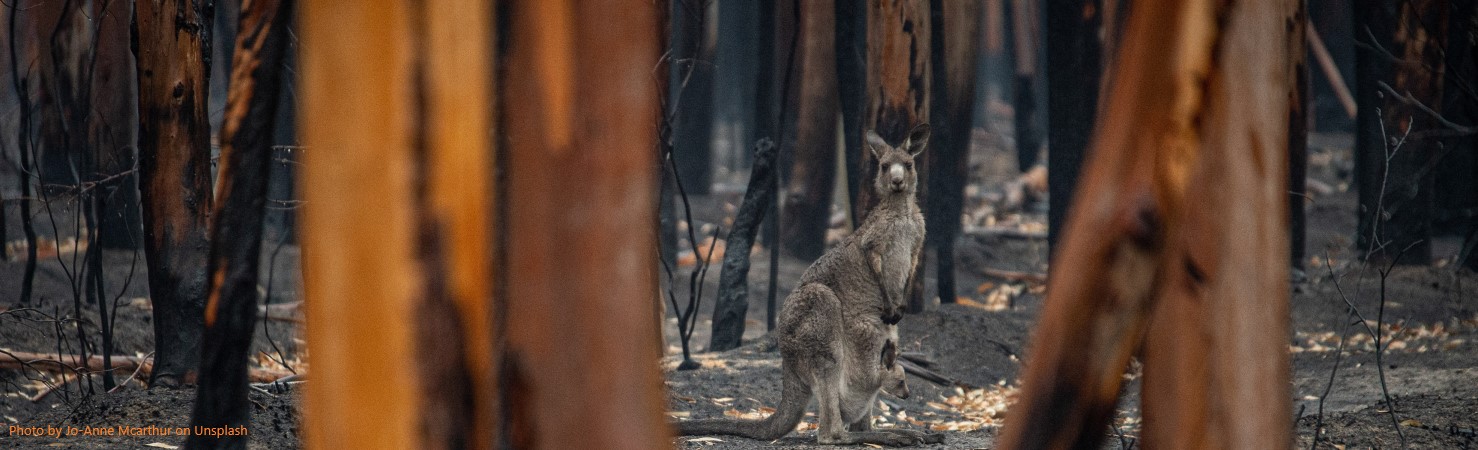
{"points": [[894, 382], [837, 331]]}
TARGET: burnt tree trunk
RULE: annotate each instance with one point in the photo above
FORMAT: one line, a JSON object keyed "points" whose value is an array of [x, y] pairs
{"points": [[807, 206], [732, 303], [1463, 68], [1074, 52], [851, 63], [246, 155], [26, 147], [955, 34], [898, 79], [1457, 192], [1298, 132], [737, 64], [1182, 256], [170, 39], [407, 261], [768, 75], [1024, 19], [111, 131], [1395, 184], [572, 260], [667, 235], [691, 86]]}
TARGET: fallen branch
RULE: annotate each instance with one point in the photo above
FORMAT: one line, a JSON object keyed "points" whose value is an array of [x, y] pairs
{"points": [[932, 376], [73, 364], [918, 358], [1010, 275]]}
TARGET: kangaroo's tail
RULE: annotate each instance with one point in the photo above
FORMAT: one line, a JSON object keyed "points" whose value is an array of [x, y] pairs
{"points": [[793, 399]]}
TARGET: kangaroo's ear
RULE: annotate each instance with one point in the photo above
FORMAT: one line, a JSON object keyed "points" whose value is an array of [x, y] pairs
{"points": [[917, 139], [890, 354], [876, 144]]}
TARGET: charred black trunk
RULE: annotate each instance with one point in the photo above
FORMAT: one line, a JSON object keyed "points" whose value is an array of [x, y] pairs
{"points": [[1074, 54], [732, 305], [851, 55], [955, 35], [26, 146], [1395, 185], [1298, 137], [231, 313], [691, 86]]}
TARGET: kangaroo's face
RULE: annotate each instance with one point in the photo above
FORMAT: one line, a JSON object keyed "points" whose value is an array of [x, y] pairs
{"points": [[894, 382], [896, 171]]}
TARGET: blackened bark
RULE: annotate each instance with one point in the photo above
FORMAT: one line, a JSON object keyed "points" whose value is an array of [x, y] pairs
{"points": [[26, 146], [955, 34], [1395, 188], [1298, 134], [1372, 19], [691, 85], [666, 216], [851, 54], [1462, 64], [1024, 85], [169, 42], [733, 286], [231, 313], [96, 287], [111, 130], [1074, 54], [666, 211], [771, 65], [1457, 192], [736, 54], [813, 174]]}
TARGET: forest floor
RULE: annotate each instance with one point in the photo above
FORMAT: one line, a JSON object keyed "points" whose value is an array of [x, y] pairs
{"points": [[33, 328], [1430, 320]]}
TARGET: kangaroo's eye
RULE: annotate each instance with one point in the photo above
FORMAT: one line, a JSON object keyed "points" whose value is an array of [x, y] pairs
{"points": [[908, 166]]}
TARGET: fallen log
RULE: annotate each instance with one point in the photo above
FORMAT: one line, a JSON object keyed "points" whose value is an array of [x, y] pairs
{"points": [[72, 364]]}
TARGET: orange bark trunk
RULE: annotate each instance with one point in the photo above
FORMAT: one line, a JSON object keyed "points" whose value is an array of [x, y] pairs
{"points": [[1177, 241]]}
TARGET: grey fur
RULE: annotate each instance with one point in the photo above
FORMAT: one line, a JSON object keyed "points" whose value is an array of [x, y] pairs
{"points": [[837, 329]]}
